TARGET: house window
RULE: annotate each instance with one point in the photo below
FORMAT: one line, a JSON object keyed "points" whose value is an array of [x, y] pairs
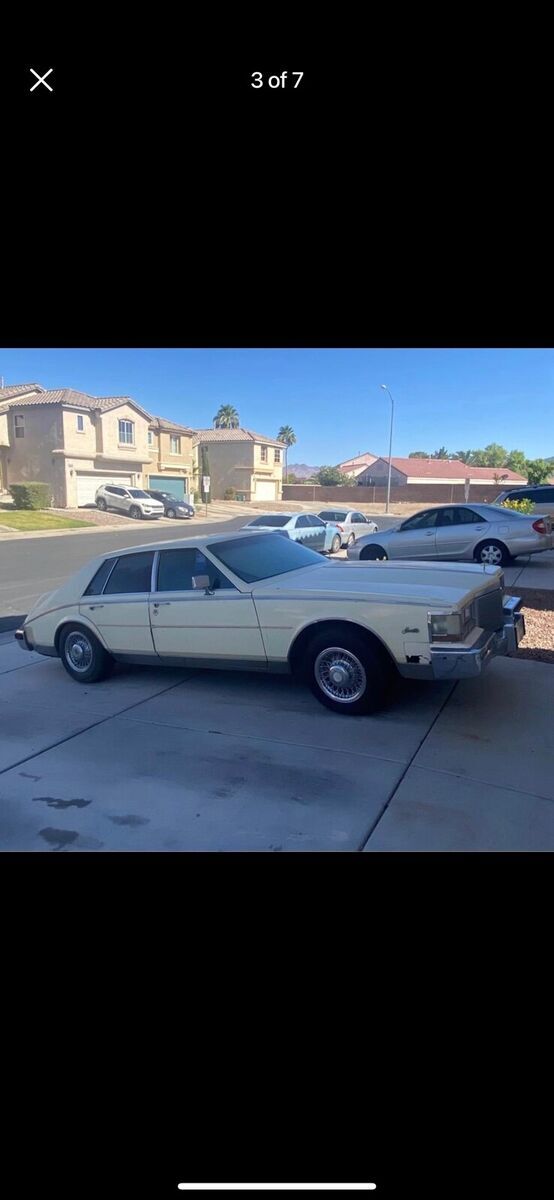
{"points": [[264, 453], [150, 438], [19, 430], [174, 445], [277, 456], [126, 433], [80, 423]]}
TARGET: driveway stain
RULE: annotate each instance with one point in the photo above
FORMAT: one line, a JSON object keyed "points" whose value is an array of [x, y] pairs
{"points": [[54, 802], [129, 819], [58, 838]]}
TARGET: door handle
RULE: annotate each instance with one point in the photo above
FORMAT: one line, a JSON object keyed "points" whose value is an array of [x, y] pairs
{"points": [[431, 533], [161, 603], [92, 606]]}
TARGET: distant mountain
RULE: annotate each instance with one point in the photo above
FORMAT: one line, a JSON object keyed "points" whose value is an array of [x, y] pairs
{"points": [[301, 470]]}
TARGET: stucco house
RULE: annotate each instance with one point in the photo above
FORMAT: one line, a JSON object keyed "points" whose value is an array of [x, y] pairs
{"points": [[433, 471], [241, 459], [357, 465], [75, 442]]}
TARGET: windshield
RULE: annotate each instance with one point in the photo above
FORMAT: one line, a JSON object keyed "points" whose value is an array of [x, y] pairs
{"points": [[138, 493], [275, 522], [256, 558]]}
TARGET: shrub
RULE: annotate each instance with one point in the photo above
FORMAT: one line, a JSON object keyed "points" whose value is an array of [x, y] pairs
{"points": [[31, 495], [522, 506], [230, 494]]}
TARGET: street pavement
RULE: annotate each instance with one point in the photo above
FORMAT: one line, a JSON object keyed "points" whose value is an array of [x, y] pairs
{"points": [[169, 760]]}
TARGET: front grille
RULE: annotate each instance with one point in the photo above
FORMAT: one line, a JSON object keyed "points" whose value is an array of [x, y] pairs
{"points": [[488, 610]]}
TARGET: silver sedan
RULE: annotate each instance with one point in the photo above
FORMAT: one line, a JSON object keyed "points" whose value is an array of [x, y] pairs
{"points": [[483, 533]]}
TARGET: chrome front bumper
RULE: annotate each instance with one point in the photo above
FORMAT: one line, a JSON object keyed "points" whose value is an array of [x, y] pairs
{"points": [[466, 664]]}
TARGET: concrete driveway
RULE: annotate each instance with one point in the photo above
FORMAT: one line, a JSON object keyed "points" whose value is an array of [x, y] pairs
{"points": [[184, 760]]}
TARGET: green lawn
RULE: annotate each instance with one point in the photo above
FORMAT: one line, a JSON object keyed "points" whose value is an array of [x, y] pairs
{"points": [[37, 519]]}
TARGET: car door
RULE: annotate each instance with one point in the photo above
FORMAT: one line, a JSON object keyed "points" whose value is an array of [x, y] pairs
{"points": [[221, 626], [416, 536], [357, 524], [458, 530], [117, 499], [318, 531], [116, 602], [300, 531]]}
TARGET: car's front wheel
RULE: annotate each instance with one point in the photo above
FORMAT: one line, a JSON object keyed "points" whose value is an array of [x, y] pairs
{"points": [[492, 552], [347, 672], [82, 655], [135, 513]]}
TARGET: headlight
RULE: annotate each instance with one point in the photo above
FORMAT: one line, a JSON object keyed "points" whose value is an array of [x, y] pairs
{"points": [[451, 626]]}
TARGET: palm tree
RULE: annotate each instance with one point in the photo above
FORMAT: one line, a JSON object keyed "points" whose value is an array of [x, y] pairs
{"points": [[441, 453], [464, 456], [287, 435], [226, 417]]}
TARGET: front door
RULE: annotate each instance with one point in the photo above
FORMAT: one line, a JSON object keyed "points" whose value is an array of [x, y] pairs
{"points": [[187, 622], [120, 611], [416, 536]]}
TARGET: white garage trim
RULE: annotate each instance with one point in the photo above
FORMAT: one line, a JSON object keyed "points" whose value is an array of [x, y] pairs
{"points": [[88, 484], [265, 490]]}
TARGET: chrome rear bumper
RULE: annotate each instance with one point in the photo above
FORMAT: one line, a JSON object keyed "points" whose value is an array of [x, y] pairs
{"points": [[466, 664], [21, 637]]}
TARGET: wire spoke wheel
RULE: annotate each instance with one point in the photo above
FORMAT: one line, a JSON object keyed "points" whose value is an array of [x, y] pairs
{"points": [[340, 675], [78, 651]]}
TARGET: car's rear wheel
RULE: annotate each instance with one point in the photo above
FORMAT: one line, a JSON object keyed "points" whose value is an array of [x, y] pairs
{"points": [[82, 655], [101, 504], [373, 554], [492, 552], [170, 512], [347, 672], [336, 544], [135, 513], [351, 540]]}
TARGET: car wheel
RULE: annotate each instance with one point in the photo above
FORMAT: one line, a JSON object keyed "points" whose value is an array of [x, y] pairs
{"points": [[101, 504], [82, 655], [170, 512], [350, 541], [492, 552], [135, 513], [373, 554], [336, 544], [347, 672]]}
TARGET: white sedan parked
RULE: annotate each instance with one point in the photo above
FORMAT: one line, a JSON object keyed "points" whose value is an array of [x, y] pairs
{"points": [[259, 601], [351, 523]]}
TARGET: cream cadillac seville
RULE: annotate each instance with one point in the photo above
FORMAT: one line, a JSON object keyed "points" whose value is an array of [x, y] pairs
{"points": [[258, 601]]}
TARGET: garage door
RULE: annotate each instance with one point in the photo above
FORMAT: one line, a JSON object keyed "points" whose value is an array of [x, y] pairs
{"points": [[265, 489], [161, 483], [87, 485]]}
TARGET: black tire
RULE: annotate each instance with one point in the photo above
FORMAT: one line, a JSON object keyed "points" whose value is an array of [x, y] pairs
{"points": [[170, 512], [350, 541], [98, 664], [336, 544], [101, 504], [135, 513], [368, 663], [373, 553], [489, 545]]}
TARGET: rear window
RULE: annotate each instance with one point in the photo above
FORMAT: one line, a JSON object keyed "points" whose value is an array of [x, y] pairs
{"points": [[332, 516], [275, 522], [96, 584], [133, 573]]}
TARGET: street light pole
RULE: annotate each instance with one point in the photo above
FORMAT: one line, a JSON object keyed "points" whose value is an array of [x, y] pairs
{"points": [[385, 389]]}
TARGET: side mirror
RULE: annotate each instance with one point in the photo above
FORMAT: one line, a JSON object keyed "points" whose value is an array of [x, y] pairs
{"points": [[200, 582]]}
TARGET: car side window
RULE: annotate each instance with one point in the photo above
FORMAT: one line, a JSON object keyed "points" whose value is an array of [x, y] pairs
{"points": [[302, 522], [177, 567], [132, 573], [97, 583], [117, 491], [424, 520], [544, 495], [358, 519], [457, 516], [315, 521]]}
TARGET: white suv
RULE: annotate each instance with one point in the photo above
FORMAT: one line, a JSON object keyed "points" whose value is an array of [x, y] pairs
{"points": [[132, 501]]}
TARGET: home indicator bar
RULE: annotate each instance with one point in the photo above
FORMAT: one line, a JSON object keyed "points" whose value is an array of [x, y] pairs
{"points": [[276, 1187]]}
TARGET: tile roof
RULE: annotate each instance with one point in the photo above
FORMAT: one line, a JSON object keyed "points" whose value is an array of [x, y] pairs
{"points": [[439, 468], [163, 423], [15, 389], [71, 397], [232, 435]]}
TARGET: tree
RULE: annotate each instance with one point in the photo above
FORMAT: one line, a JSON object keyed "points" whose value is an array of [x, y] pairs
{"points": [[419, 454], [204, 470], [441, 453], [465, 456], [495, 455], [287, 435], [516, 461], [538, 470], [330, 477], [226, 417]]}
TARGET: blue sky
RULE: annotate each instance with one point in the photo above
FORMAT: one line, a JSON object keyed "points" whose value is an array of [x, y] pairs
{"points": [[332, 398]]}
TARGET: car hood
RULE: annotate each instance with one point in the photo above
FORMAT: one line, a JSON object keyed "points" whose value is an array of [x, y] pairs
{"points": [[416, 582]]}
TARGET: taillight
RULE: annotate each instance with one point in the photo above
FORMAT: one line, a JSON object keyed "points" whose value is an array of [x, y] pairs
{"points": [[539, 526]]}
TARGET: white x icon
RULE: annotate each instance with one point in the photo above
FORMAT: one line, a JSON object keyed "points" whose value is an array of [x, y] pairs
{"points": [[41, 79]]}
